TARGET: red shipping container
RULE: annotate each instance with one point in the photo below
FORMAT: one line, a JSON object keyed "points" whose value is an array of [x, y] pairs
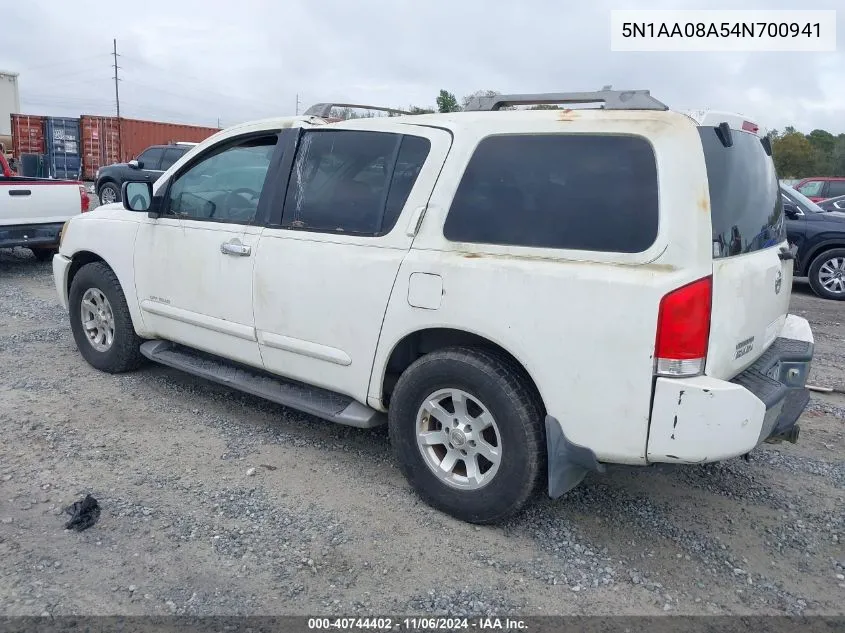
{"points": [[28, 135], [100, 143], [136, 135]]}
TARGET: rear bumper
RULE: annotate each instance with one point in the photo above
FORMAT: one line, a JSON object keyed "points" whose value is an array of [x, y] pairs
{"points": [[704, 419], [30, 235]]}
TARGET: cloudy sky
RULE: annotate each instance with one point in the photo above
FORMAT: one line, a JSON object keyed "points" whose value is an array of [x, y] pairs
{"points": [[194, 61]]}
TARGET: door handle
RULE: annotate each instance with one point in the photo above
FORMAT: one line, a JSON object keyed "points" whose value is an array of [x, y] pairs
{"points": [[234, 247], [20, 192]]}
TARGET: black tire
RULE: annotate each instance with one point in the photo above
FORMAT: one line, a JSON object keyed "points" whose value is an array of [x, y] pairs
{"points": [[111, 187], [512, 401], [44, 254], [815, 271], [124, 353]]}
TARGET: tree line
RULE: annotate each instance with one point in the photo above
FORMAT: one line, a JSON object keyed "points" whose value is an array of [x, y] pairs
{"points": [[796, 155]]}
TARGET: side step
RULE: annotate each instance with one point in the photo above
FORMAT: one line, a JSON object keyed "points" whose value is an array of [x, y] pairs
{"points": [[322, 403]]}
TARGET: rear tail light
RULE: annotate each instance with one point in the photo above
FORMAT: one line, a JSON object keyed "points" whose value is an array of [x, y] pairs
{"points": [[748, 126], [683, 329], [84, 202]]}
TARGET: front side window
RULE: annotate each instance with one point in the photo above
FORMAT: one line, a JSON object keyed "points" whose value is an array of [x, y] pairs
{"points": [[352, 182], [224, 186], [563, 191], [150, 158], [812, 188], [170, 157]]}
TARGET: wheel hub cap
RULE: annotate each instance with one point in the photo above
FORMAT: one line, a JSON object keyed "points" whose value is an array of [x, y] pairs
{"points": [[832, 275], [458, 439], [97, 319]]}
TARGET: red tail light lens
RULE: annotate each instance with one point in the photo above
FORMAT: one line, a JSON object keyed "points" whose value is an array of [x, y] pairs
{"points": [[748, 126], [84, 202], [683, 329]]}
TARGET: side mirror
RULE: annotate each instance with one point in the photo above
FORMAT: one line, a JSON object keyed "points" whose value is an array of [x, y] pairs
{"points": [[791, 210], [135, 164], [137, 196]]}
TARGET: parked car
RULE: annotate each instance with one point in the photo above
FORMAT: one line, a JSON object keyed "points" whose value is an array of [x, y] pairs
{"points": [[150, 164], [33, 210], [817, 189], [819, 236], [460, 277], [833, 204]]}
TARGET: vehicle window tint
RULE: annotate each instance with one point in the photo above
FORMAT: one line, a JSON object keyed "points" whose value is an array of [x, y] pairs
{"points": [[811, 188], [583, 192], [151, 157], [224, 186], [746, 210], [170, 157], [835, 188], [412, 156], [340, 181]]}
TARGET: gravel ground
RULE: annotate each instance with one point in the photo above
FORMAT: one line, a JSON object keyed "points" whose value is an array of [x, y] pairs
{"points": [[216, 502]]}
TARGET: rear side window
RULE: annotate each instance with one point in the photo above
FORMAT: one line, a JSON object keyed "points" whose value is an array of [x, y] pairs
{"points": [[170, 157], [746, 208], [352, 182], [580, 192], [812, 188], [835, 188]]}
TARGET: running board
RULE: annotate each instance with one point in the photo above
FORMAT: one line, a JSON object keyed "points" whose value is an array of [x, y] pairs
{"points": [[322, 403]]}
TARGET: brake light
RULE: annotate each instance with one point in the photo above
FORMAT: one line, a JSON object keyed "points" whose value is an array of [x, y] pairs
{"points": [[748, 126], [683, 329], [84, 202]]}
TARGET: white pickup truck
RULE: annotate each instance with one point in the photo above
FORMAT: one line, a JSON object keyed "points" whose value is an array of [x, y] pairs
{"points": [[33, 210]]}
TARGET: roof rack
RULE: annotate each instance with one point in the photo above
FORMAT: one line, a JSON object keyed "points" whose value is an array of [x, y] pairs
{"points": [[324, 109], [612, 99]]}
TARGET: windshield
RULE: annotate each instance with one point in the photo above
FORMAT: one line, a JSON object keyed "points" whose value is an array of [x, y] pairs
{"points": [[806, 205]]}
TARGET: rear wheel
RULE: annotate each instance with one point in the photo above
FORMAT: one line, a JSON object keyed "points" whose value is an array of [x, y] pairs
{"points": [[109, 193], [466, 426], [100, 320], [827, 274]]}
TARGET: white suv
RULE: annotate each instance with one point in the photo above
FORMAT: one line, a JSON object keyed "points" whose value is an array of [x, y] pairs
{"points": [[519, 295]]}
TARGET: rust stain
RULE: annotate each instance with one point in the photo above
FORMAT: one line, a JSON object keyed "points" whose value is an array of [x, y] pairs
{"points": [[703, 203], [567, 115], [471, 255]]}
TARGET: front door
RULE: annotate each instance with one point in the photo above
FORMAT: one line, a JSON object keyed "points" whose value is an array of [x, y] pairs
{"points": [[194, 264], [326, 265]]}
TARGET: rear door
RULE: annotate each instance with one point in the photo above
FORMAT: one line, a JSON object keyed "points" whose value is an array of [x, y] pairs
{"points": [[751, 281], [327, 263]]}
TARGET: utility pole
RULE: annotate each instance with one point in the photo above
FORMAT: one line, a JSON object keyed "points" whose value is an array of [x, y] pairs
{"points": [[297, 104], [117, 101]]}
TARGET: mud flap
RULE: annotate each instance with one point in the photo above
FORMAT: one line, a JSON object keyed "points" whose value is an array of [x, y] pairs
{"points": [[568, 462]]}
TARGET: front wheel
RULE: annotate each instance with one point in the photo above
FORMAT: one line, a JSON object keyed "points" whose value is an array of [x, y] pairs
{"points": [[827, 274], [100, 320], [466, 426]]}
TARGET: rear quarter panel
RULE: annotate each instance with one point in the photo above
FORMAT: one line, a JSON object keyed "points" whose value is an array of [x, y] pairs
{"points": [[583, 324]]}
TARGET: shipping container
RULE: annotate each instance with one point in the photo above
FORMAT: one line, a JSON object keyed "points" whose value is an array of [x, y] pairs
{"points": [[100, 143], [136, 135], [63, 148], [104, 142], [28, 134], [10, 100]]}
